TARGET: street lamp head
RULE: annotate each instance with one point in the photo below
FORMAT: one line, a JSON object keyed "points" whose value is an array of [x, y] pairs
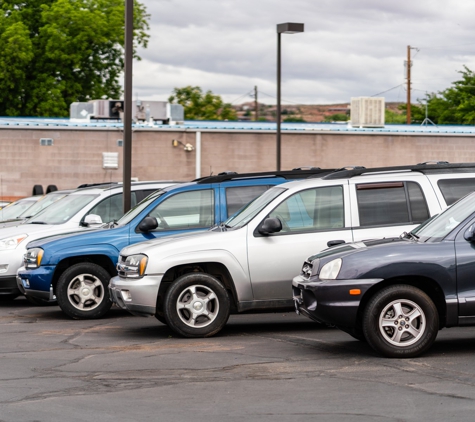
{"points": [[289, 28]]}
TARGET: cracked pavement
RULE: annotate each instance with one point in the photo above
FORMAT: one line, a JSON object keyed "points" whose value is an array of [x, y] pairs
{"points": [[267, 367]]}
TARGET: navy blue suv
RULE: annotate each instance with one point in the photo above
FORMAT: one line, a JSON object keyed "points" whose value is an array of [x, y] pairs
{"points": [[75, 269]]}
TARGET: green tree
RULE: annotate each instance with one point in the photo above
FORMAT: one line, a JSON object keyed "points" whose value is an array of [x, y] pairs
{"points": [[56, 52], [454, 105], [338, 117], [199, 106], [393, 117]]}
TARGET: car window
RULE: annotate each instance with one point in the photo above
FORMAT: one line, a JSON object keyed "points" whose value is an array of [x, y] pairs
{"points": [[454, 189], [142, 194], [44, 202], [112, 208], [15, 209], [312, 209], [186, 210], [61, 211], [239, 196], [391, 203]]}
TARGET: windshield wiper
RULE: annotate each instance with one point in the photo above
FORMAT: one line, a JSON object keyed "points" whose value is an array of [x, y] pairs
{"points": [[409, 235], [112, 224], [38, 222]]}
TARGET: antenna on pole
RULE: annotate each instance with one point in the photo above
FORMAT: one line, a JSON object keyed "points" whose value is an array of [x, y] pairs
{"points": [[426, 121]]}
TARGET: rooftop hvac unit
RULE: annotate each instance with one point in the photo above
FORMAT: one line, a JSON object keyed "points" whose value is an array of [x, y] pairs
{"points": [[367, 111], [81, 111], [142, 111], [108, 109]]}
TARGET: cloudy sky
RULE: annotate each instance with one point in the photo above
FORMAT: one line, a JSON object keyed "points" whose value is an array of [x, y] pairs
{"points": [[350, 48]]}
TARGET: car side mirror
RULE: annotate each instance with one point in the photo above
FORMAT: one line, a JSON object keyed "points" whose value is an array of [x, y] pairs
{"points": [[270, 225], [469, 234], [92, 220], [148, 224]]}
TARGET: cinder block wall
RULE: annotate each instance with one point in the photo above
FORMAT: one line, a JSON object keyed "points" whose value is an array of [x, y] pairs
{"points": [[76, 154]]}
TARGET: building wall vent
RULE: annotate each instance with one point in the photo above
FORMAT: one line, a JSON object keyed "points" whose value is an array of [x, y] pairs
{"points": [[46, 142], [367, 111], [110, 160]]}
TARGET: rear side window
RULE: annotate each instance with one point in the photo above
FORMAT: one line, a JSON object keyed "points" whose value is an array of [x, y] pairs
{"points": [[454, 189], [382, 204], [312, 210], [238, 197], [186, 210]]}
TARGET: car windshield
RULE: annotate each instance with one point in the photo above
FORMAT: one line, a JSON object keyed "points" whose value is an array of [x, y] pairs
{"points": [[438, 228], [130, 215], [252, 209], [40, 205], [63, 209], [15, 209]]}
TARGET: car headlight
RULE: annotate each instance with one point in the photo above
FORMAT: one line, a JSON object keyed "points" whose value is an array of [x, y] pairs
{"points": [[330, 270], [32, 258], [132, 266], [12, 242]]}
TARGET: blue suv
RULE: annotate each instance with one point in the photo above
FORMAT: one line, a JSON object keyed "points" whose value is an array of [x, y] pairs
{"points": [[75, 269]]}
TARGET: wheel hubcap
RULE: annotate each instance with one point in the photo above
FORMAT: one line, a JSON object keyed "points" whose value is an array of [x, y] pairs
{"points": [[197, 306], [402, 323], [85, 292]]}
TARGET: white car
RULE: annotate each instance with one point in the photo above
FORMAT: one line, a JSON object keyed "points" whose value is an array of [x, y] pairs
{"points": [[193, 282], [82, 209]]}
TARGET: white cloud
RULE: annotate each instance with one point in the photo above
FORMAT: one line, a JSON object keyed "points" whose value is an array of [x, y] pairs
{"points": [[349, 48]]}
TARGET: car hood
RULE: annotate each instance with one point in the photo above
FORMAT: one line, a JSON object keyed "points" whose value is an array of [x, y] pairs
{"points": [[346, 249], [77, 236], [186, 242], [35, 231]]}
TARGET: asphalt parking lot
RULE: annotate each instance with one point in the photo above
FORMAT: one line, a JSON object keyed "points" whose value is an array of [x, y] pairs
{"points": [[271, 367]]}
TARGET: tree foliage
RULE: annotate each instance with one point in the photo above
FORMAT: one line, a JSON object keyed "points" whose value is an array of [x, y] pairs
{"points": [[199, 106], [337, 117], [56, 52], [454, 105]]}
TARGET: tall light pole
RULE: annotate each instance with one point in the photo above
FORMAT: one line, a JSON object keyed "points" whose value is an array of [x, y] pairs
{"points": [[127, 146], [282, 28]]}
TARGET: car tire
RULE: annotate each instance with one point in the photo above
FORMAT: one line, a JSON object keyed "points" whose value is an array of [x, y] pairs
{"points": [[82, 291], [161, 318], [196, 305], [400, 321]]}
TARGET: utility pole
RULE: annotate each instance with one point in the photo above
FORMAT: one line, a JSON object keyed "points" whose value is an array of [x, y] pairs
{"points": [[408, 77], [127, 149], [256, 104]]}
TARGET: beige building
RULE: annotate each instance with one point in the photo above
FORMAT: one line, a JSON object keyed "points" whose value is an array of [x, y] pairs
{"points": [[66, 154]]}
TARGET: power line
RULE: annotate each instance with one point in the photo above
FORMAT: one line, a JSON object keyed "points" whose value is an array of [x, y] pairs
{"points": [[390, 89]]}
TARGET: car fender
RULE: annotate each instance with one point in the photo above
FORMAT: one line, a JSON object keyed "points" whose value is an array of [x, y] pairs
{"points": [[239, 272]]}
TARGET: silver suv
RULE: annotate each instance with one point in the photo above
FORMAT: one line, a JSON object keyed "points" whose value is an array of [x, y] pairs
{"points": [[192, 283], [84, 208]]}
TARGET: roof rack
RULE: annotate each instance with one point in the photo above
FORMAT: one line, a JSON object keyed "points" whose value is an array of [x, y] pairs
{"points": [[91, 185], [300, 173], [427, 167]]}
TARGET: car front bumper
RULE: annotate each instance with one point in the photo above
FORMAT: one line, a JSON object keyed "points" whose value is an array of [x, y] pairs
{"points": [[333, 302], [138, 296], [37, 282]]}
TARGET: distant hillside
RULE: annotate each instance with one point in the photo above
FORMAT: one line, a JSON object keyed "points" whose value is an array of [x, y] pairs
{"points": [[308, 113]]}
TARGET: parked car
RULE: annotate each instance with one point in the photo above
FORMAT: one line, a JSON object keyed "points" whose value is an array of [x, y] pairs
{"points": [[40, 203], [82, 209], [77, 269], [192, 283], [14, 209], [396, 293]]}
